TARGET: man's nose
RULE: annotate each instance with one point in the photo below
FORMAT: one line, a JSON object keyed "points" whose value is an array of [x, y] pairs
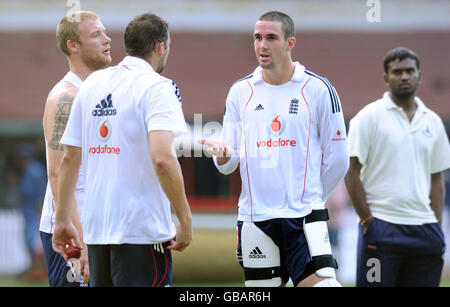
{"points": [[107, 39], [264, 44], [404, 75]]}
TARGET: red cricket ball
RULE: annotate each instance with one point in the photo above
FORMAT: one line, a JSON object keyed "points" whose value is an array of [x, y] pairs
{"points": [[72, 252]]}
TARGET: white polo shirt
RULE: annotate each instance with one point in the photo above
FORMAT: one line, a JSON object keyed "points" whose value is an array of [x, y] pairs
{"points": [[398, 158], [47, 221], [289, 141], [111, 117]]}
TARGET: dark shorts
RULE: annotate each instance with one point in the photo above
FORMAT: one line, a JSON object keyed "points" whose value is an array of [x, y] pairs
{"points": [[130, 265], [288, 235], [399, 255], [58, 271]]}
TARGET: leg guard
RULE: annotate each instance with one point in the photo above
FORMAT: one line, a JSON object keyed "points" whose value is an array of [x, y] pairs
{"points": [[316, 233], [329, 282], [261, 258]]}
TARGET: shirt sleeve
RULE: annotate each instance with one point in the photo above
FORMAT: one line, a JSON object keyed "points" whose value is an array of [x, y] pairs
{"points": [[231, 134], [359, 136], [333, 141], [162, 108], [441, 152], [73, 133]]}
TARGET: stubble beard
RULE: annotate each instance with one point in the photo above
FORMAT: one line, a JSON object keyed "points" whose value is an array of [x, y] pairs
{"points": [[96, 62], [403, 94]]}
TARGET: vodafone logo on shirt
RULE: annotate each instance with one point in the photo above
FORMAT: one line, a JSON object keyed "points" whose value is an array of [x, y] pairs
{"points": [[277, 125], [276, 143], [338, 136], [276, 128], [104, 149], [104, 131]]}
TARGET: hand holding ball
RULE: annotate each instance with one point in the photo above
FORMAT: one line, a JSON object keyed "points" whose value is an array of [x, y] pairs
{"points": [[72, 252]]}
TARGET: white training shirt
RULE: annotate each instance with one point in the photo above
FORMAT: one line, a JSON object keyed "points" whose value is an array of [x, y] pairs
{"points": [[398, 158], [290, 142], [111, 117], [48, 209]]}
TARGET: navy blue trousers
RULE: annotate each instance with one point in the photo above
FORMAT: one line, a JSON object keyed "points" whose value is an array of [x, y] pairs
{"points": [[58, 271], [400, 255]]}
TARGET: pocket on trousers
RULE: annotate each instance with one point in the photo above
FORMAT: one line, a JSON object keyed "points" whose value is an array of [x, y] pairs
{"points": [[374, 231], [437, 236]]}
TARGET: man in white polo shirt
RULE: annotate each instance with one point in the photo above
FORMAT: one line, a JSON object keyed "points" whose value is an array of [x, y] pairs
{"points": [[122, 126], [398, 149], [284, 127]]}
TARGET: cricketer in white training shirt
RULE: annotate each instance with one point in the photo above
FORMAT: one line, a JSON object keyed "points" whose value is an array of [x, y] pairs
{"points": [[291, 141], [283, 126], [111, 117], [122, 127]]}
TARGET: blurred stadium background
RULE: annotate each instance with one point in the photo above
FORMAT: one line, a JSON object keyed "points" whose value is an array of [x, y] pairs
{"points": [[211, 48]]}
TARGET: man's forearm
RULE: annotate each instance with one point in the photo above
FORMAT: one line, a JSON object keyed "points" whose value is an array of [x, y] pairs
{"points": [[76, 219], [357, 195], [67, 179], [170, 177], [333, 176]]}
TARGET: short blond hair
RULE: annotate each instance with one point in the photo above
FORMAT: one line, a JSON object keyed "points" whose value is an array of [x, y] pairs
{"points": [[68, 28]]}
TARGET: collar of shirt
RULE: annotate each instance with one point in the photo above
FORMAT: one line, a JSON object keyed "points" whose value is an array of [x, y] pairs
{"points": [[74, 79], [131, 61], [390, 104], [298, 76]]}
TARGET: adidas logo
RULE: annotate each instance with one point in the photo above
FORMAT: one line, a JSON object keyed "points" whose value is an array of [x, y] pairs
{"points": [[256, 253], [104, 108], [159, 247], [259, 107]]}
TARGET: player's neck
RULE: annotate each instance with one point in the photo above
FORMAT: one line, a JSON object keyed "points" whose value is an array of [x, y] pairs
{"points": [[154, 62], [279, 75], [407, 103], [80, 69]]}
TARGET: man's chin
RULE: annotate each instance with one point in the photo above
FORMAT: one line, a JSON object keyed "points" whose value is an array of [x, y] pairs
{"points": [[403, 94], [100, 63], [266, 65], [107, 61]]}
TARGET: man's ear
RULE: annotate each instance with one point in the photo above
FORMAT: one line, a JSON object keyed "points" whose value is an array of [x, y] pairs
{"points": [[73, 46], [291, 42], [160, 48]]}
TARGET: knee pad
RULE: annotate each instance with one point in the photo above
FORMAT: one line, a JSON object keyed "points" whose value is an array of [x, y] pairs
{"points": [[316, 232], [261, 258], [329, 282]]}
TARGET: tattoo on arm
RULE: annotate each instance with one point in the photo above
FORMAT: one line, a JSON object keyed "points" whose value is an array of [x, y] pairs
{"points": [[64, 106]]}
